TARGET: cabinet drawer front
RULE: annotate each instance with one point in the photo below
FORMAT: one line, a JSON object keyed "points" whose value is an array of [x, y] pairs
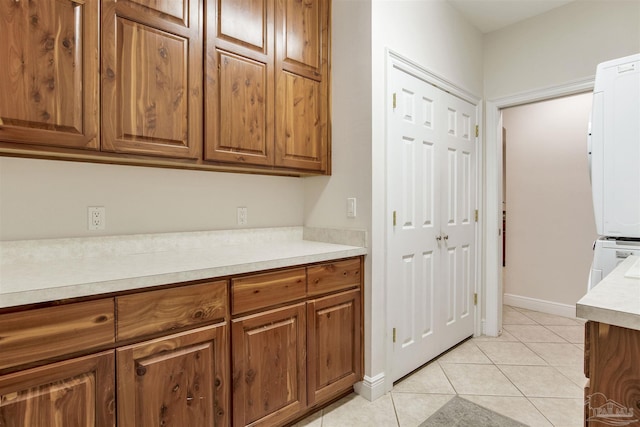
{"points": [[333, 276], [51, 332], [164, 310], [268, 289]]}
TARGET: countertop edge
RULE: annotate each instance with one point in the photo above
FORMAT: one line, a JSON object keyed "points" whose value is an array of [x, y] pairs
{"points": [[97, 288], [611, 300], [609, 316]]}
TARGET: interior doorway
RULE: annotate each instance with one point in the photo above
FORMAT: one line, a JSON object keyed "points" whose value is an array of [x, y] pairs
{"points": [[548, 225]]}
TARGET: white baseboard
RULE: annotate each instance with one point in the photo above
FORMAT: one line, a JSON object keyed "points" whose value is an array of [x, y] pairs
{"points": [[549, 307], [371, 388]]}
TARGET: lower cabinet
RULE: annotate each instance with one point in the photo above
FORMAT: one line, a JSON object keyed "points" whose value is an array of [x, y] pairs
{"points": [[288, 360], [269, 366], [612, 393], [73, 393], [178, 380], [334, 345], [294, 343]]}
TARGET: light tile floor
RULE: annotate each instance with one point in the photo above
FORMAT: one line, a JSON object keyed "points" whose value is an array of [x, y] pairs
{"points": [[532, 373]]}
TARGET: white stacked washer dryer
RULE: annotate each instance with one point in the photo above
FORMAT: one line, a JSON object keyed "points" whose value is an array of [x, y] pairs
{"points": [[613, 147]]}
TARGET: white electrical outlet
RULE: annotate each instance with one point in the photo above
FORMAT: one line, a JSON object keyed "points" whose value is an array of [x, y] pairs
{"points": [[242, 216], [96, 217], [351, 207]]}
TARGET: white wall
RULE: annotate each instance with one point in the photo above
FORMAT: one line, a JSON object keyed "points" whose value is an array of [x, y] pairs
{"points": [[550, 225], [560, 46], [434, 35], [48, 199]]}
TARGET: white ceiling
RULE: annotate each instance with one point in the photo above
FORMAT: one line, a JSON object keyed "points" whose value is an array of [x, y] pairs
{"points": [[491, 15]]}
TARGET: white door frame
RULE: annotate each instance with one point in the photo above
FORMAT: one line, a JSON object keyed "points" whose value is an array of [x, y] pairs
{"points": [[411, 67], [493, 191]]}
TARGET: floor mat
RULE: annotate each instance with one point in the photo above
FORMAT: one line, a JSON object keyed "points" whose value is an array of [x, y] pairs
{"points": [[460, 412]]}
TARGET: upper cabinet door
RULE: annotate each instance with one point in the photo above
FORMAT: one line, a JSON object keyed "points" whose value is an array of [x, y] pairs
{"points": [[301, 27], [152, 77], [49, 73], [302, 84], [239, 82]]}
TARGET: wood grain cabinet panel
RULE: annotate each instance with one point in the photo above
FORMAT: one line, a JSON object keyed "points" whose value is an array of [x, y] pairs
{"points": [[179, 380], [152, 77], [267, 289], [165, 310], [239, 123], [614, 375], [74, 393], [303, 24], [334, 337], [239, 98], [49, 73], [329, 277], [51, 332], [245, 23], [268, 366], [302, 85], [280, 118]]}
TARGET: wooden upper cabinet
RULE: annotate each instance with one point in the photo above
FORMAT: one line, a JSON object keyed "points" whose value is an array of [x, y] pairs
{"points": [[267, 83], [239, 82], [73, 393], [302, 85], [49, 73], [152, 77]]}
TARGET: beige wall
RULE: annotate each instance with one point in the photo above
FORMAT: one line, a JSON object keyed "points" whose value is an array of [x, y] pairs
{"points": [[560, 46], [550, 227], [326, 197], [48, 199]]}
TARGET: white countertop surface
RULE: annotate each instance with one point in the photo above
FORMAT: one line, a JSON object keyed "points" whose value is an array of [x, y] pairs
{"points": [[616, 299], [48, 270]]}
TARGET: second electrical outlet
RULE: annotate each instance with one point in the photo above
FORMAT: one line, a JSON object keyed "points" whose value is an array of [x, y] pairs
{"points": [[242, 216], [96, 217]]}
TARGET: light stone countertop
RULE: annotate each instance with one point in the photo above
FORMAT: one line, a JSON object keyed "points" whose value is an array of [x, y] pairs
{"points": [[616, 299], [35, 271]]}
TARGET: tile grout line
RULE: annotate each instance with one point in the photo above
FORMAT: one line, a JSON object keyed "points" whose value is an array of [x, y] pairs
{"points": [[518, 388], [395, 410], [547, 364]]}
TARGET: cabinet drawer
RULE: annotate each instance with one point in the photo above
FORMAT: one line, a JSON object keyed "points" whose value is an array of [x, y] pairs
{"points": [[46, 333], [164, 310], [267, 289], [333, 276]]}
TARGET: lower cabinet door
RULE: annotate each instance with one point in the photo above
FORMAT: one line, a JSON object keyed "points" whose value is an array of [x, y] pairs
{"points": [[178, 380], [269, 366], [73, 393], [334, 341]]}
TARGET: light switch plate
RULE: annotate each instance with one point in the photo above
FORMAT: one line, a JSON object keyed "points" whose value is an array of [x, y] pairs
{"points": [[351, 207]]}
